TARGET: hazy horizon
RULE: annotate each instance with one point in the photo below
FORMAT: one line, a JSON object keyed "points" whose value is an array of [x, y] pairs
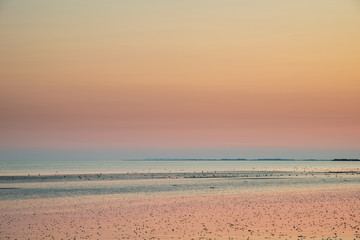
{"points": [[91, 154]]}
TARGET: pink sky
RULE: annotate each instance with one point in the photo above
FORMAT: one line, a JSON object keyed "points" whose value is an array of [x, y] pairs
{"points": [[237, 76]]}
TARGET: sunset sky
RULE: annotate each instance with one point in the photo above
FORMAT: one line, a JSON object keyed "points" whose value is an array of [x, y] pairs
{"points": [[179, 78]]}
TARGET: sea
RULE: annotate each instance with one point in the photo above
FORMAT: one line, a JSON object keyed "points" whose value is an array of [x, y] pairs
{"points": [[48, 167], [30, 179]]}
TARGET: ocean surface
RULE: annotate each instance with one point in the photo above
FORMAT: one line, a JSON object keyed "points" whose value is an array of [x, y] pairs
{"points": [[53, 179], [35, 167]]}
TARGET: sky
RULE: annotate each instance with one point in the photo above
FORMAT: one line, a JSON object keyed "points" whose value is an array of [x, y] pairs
{"points": [[170, 79]]}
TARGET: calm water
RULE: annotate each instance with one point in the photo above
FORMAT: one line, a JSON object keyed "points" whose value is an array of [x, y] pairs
{"points": [[122, 166], [11, 191], [260, 176]]}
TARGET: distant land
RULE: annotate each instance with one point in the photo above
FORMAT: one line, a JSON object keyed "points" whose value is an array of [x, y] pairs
{"points": [[240, 159], [243, 159], [345, 159]]}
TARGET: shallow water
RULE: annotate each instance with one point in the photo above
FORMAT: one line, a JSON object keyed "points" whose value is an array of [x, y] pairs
{"points": [[10, 189], [52, 179]]}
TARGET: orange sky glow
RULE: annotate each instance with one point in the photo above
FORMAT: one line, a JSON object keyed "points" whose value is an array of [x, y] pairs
{"points": [[236, 76]]}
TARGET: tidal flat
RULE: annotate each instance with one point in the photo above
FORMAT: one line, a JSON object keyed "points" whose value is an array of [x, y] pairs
{"points": [[190, 205]]}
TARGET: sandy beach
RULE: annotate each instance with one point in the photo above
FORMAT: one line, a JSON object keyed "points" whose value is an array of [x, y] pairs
{"points": [[297, 214]]}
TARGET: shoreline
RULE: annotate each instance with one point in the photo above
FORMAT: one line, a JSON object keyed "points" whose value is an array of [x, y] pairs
{"points": [[173, 175]]}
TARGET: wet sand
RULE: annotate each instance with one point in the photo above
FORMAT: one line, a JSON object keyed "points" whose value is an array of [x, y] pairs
{"points": [[298, 214]]}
